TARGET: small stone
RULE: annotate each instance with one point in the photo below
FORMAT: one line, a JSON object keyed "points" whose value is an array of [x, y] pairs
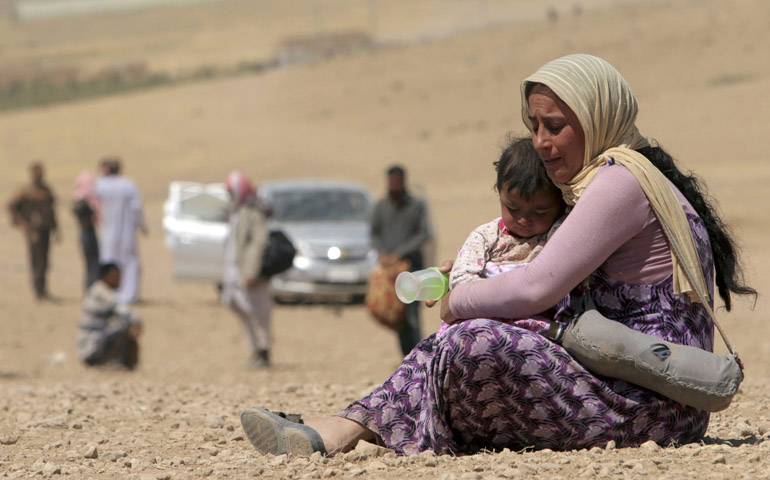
{"points": [[470, 476], [217, 423], [8, 439], [720, 459], [91, 452], [611, 445], [650, 446], [431, 462], [352, 456], [114, 456], [329, 473], [279, 460], [51, 469], [376, 465], [511, 473], [370, 450]]}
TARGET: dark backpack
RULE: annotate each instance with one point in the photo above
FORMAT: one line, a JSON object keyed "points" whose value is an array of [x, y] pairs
{"points": [[278, 256]]}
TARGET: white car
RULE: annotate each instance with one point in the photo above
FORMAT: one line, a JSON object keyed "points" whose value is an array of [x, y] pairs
{"points": [[195, 217], [327, 221]]}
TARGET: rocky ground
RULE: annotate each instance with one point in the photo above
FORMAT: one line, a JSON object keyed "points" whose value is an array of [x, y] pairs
{"points": [[440, 102]]}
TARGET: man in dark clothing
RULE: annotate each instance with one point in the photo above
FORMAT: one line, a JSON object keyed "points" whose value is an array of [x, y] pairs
{"points": [[399, 228], [32, 210]]}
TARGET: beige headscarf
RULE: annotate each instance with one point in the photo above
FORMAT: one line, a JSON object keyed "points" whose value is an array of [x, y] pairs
{"points": [[606, 109]]}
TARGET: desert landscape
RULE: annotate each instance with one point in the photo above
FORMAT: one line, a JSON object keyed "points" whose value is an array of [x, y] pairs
{"points": [[435, 87]]}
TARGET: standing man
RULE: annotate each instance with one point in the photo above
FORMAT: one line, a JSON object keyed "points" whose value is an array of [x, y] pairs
{"points": [[399, 228], [32, 210], [122, 216]]}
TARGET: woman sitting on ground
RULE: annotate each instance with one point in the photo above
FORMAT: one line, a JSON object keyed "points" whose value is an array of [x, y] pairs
{"points": [[489, 385]]}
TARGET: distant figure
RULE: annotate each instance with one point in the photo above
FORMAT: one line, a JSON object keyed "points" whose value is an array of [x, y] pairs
{"points": [[244, 290], [86, 208], [108, 330], [32, 211], [122, 216], [399, 228]]}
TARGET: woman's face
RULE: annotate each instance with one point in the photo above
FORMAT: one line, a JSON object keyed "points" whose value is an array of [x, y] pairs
{"points": [[556, 134]]}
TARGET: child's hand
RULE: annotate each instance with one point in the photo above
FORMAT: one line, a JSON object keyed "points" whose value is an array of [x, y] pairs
{"points": [[445, 267]]}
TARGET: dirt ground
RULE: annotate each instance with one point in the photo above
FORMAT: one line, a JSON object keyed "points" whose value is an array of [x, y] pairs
{"points": [[439, 98]]}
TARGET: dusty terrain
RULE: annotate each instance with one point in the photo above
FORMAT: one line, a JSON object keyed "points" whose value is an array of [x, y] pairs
{"points": [[440, 102]]}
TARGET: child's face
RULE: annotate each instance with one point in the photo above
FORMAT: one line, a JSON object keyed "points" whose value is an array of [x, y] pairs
{"points": [[112, 278], [527, 218]]}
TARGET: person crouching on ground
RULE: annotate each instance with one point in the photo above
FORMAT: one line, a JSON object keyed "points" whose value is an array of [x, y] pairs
{"points": [[108, 331]]}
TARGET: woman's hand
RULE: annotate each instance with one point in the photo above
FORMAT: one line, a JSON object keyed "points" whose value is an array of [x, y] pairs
{"points": [[446, 314]]}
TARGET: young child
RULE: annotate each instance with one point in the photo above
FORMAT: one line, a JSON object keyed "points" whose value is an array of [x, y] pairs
{"points": [[531, 205], [108, 331]]}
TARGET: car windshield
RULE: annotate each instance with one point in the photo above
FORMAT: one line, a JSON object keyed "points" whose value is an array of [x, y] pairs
{"points": [[320, 205], [204, 208]]}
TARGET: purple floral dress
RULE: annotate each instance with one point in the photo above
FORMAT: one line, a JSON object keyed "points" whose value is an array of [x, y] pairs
{"points": [[491, 385]]}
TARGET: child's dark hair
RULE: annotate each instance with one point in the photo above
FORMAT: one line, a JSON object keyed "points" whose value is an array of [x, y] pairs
{"points": [[520, 167], [106, 268]]}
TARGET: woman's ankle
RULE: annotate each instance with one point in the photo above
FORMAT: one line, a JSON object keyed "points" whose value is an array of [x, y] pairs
{"points": [[339, 434]]}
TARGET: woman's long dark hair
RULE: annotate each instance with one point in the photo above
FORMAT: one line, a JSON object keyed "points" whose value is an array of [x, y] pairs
{"points": [[729, 276]]}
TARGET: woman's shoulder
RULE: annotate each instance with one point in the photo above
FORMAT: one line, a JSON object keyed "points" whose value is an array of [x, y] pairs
{"points": [[616, 173], [618, 183], [615, 183]]}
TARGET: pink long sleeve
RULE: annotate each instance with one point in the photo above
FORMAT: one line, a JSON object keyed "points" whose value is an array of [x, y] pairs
{"points": [[611, 228]]}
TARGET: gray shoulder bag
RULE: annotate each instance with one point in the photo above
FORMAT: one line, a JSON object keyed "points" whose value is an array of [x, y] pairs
{"points": [[685, 374]]}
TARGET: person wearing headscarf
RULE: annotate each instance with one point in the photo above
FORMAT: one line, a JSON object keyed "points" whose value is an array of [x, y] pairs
{"points": [[244, 290], [86, 208], [489, 385]]}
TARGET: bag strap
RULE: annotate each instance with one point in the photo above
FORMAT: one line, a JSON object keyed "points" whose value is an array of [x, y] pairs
{"points": [[701, 296]]}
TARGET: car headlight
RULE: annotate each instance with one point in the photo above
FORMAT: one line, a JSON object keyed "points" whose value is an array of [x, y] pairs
{"points": [[334, 253], [301, 262]]}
